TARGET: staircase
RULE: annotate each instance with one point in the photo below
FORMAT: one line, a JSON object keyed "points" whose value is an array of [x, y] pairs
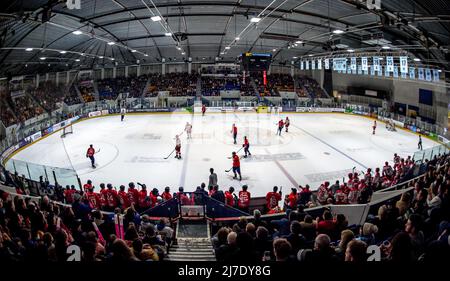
{"points": [[193, 242], [199, 87], [255, 88], [96, 94]]}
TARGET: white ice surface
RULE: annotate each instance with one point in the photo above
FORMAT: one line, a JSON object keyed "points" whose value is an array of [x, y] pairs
{"points": [[318, 147]]}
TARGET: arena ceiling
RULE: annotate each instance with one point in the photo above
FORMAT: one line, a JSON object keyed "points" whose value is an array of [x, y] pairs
{"points": [[117, 32]]}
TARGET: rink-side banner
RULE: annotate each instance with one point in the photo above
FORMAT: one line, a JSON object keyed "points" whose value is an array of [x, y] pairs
{"points": [[319, 109], [36, 136]]}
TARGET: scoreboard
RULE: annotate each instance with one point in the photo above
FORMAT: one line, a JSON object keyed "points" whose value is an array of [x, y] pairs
{"points": [[255, 61]]}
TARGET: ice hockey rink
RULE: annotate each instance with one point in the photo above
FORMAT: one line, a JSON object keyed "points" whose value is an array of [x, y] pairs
{"points": [[318, 147]]}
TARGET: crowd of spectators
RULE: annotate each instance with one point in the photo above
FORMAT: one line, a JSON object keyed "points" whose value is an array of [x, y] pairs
{"points": [[7, 116], [110, 88], [72, 98], [211, 86], [49, 95], [414, 228], [177, 84], [311, 87], [87, 90]]}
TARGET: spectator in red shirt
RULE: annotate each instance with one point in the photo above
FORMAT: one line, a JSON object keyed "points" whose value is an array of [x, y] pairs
{"points": [[244, 199], [272, 198], [229, 199], [326, 225]]}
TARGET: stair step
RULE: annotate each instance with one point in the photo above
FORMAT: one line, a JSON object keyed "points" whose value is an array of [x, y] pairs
{"points": [[177, 253], [189, 259], [191, 248], [197, 257]]}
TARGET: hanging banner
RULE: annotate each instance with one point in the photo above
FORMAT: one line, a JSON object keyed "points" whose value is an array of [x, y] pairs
{"points": [[404, 65], [428, 74], [435, 75], [389, 64], [372, 71], [340, 64], [359, 70], [386, 72], [412, 73], [353, 64], [313, 64], [349, 71], [403, 75], [327, 64], [301, 65], [364, 64], [319, 64], [376, 63], [395, 72], [306, 65], [380, 71], [421, 75]]}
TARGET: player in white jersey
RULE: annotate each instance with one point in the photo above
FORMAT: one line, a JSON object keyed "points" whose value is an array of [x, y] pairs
{"points": [[177, 147], [188, 130], [122, 113]]}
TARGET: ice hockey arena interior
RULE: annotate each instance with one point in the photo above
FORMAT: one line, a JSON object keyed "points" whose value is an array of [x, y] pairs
{"points": [[225, 131]]}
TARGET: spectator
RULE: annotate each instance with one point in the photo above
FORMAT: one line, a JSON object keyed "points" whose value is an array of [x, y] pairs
{"points": [[356, 251], [282, 249]]}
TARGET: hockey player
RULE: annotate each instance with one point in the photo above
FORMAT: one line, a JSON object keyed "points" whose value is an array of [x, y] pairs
{"points": [[374, 127], [234, 132], [244, 199], [272, 198], [236, 166], [103, 192], [188, 130], [388, 172], [90, 154], [144, 203], [166, 194], [203, 109], [280, 127], [93, 198], [177, 147], [122, 113], [123, 197], [419, 145], [111, 198], [87, 185], [292, 199], [229, 198], [133, 194], [246, 146], [287, 122]]}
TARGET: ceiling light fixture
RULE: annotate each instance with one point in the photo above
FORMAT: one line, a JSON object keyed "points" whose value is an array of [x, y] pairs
{"points": [[255, 20], [156, 18], [77, 32], [338, 31], [111, 43], [29, 49], [63, 52]]}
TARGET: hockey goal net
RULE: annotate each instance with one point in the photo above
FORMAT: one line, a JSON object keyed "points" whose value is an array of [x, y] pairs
{"points": [[66, 130]]}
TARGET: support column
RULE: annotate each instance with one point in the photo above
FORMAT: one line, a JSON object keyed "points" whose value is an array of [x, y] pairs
{"points": [[37, 80], [102, 73], [114, 72], [126, 71], [163, 66], [138, 70]]}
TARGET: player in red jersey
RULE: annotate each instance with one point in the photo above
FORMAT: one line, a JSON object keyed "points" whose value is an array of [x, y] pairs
{"points": [[229, 198], [111, 198], [246, 146], [166, 194], [236, 166], [287, 122], [292, 199], [244, 199], [203, 109], [87, 185], [90, 154], [234, 132], [272, 198], [123, 197], [93, 199], [153, 196], [102, 194], [133, 194], [143, 200], [374, 127], [280, 127], [68, 195]]}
